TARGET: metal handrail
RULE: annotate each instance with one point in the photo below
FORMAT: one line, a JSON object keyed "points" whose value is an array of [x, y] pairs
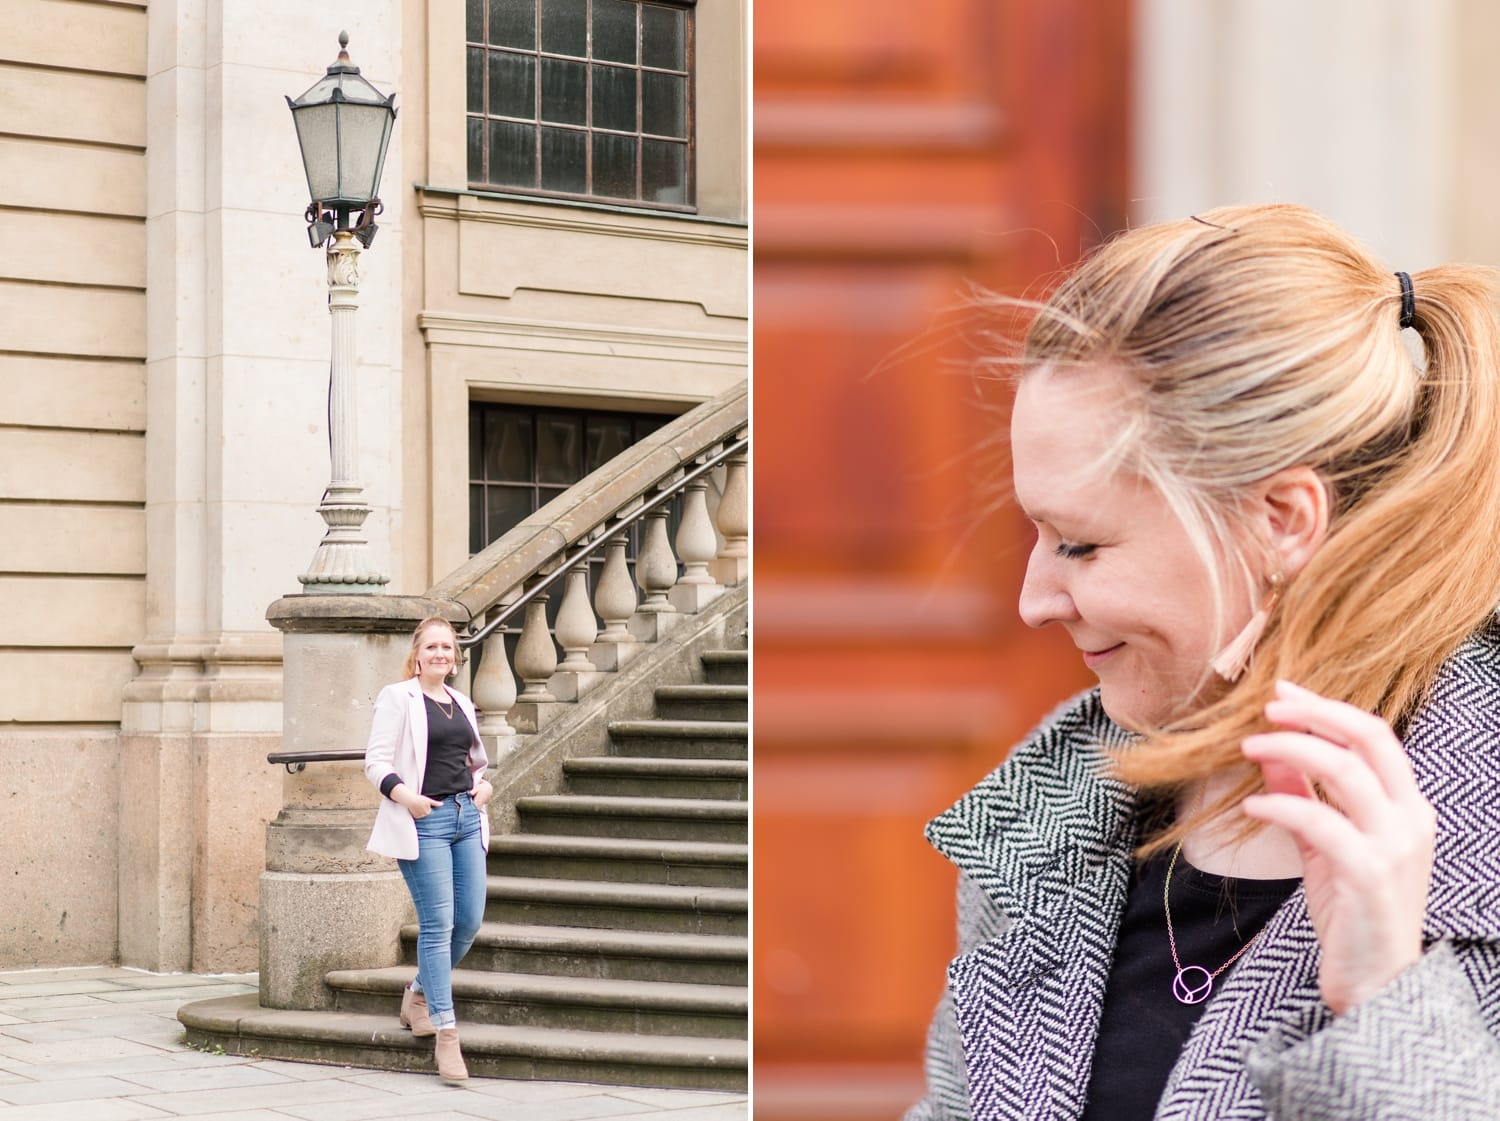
{"points": [[666, 494], [297, 761]]}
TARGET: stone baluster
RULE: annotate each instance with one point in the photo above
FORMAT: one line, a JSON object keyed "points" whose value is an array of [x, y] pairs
{"points": [[732, 566], [576, 631], [655, 564], [536, 654], [655, 573], [697, 544], [494, 694], [536, 661], [614, 600]]}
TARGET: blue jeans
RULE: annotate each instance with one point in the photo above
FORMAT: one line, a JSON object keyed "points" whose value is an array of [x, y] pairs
{"points": [[447, 884]]}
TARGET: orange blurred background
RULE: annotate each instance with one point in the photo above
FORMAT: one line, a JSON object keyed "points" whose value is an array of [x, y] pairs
{"points": [[902, 152]]}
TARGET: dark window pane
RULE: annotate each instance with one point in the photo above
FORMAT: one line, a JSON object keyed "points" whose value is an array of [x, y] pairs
{"points": [[476, 444], [607, 437], [507, 445], [474, 21], [513, 23], [663, 37], [564, 92], [645, 425], [614, 30], [476, 149], [614, 98], [476, 79], [564, 156], [512, 85], [614, 165], [559, 452], [565, 27], [663, 171], [512, 154], [506, 508], [664, 104], [476, 518]]}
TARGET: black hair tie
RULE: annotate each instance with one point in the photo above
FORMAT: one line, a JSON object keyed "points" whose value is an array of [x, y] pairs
{"points": [[1408, 300]]}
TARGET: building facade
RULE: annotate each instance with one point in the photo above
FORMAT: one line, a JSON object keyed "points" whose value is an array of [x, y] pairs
{"points": [[164, 364]]}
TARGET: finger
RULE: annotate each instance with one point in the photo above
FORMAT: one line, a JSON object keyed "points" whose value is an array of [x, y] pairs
{"points": [[1362, 732], [1281, 779], [1344, 775], [1317, 828]]}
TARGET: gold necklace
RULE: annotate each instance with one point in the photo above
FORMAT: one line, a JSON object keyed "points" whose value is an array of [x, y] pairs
{"points": [[1186, 986], [447, 710]]}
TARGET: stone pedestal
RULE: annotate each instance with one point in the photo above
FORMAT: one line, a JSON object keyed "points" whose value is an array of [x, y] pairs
{"points": [[326, 902]]}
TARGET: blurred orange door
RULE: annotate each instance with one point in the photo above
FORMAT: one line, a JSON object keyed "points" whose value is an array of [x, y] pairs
{"points": [[903, 152]]}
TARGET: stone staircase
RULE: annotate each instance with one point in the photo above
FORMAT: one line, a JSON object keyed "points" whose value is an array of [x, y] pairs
{"points": [[615, 942]]}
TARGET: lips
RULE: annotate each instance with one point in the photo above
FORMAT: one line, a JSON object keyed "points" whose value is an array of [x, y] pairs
{"points": [[1095, 658]]}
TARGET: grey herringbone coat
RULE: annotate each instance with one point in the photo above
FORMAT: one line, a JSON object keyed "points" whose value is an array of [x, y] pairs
{"points": [[1043, 846]]}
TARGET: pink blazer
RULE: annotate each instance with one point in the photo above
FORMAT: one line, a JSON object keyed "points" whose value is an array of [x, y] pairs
{"points": [[398, 745]]}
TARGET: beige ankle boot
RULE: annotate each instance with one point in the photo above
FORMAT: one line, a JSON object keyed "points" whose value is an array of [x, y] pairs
{"points": [[450, 1060], [414, 1014]]}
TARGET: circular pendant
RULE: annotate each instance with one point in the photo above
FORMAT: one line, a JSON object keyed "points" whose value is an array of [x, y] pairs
{"points": [[1186, 986]]}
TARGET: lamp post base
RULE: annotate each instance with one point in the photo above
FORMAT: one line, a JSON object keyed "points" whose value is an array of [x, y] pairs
{"points": [[342, 565]]}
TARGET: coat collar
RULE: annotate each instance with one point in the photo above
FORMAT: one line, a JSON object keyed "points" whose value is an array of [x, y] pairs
{"points": [[1047, 836]]}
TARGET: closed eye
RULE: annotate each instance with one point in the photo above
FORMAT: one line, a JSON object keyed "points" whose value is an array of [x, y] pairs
{"points": [[1071, 551]]}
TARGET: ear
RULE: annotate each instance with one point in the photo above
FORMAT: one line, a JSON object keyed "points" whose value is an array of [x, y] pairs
{"points": [[1294, 508]]}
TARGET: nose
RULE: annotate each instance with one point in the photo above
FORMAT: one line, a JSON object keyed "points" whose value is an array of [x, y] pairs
{"points": [[1044, 595]]}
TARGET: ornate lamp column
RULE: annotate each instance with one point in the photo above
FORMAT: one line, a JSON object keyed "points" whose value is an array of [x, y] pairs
{"points": [[343, 127], [342, 563]]}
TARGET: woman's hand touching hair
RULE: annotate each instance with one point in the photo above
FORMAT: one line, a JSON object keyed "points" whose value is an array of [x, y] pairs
{"points": [[1366, 853]]}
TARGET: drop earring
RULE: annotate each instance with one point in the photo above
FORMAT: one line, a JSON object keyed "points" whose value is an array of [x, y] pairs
{"points": [[1230, 663]]}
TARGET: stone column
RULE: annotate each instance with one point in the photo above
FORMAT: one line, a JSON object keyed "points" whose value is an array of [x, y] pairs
{"points": [[325, 902]]}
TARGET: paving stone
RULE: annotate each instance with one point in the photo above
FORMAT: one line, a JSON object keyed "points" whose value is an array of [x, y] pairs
{"points": [[65, 1090], [117, 1109], [85, 1028], [203, 1078], [196, 1102]]}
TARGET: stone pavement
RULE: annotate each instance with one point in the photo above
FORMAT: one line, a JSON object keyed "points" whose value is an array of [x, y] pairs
{"points": [[104, 1044]]}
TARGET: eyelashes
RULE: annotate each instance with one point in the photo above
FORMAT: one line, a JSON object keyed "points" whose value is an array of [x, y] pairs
{"points": [[1069, 551]]}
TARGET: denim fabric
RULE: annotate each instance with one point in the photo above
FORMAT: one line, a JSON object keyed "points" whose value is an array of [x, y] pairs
{"points": [[447, 884]]}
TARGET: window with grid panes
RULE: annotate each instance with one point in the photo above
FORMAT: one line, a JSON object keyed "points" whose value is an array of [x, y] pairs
{"points": [[584, 98]]}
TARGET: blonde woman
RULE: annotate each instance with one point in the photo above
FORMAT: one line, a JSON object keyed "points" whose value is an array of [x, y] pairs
{"points": [[1256, 871], [426, 759]]}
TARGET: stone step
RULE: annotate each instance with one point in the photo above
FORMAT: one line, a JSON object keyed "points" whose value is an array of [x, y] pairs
{"points": [[624, 955], [599, 904], [703, 702], [595, 1004], [681, 739], [241, 1027], [658, 778], [727, 667], [553, 856], [667, 819]]}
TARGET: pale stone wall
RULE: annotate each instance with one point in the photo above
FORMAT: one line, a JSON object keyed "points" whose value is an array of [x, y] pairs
{"points": [[1347, 106], [72, 342], [72, 457]]}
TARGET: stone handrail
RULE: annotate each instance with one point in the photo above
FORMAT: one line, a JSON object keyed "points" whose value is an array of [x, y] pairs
{"points": [[488, 575], [516, 572]]}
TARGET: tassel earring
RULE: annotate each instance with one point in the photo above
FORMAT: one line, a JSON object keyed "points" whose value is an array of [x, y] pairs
{"points": [[1230, 663]]}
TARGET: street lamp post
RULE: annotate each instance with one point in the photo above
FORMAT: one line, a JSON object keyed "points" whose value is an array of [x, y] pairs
{"points": [[343, 127]]}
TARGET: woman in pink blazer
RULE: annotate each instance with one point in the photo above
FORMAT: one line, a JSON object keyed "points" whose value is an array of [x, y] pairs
{"points": [[427, 760]]}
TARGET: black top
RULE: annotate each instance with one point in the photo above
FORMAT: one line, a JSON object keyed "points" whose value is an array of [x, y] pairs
{"points": [[449, 738], [1144, 1027]]}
